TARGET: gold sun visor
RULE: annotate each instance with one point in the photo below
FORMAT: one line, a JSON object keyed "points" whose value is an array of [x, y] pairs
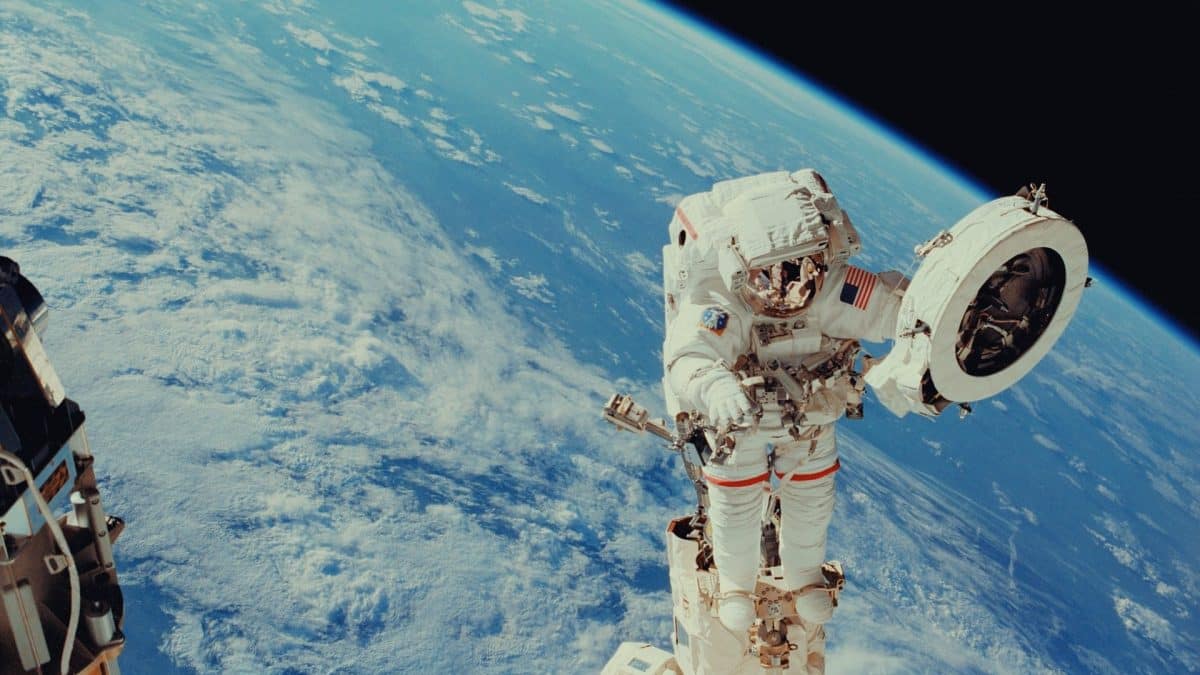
{"points": [[785, 288]]}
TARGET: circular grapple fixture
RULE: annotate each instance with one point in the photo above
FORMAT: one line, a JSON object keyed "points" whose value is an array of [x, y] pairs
{"points": [[990, 299]]}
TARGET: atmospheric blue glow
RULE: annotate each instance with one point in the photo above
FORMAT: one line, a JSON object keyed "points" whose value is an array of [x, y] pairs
{"points": [[1168, 323], [850, 109]]}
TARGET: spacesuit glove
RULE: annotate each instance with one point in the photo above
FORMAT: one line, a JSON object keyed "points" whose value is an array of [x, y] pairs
{"points": [[726, 401]]}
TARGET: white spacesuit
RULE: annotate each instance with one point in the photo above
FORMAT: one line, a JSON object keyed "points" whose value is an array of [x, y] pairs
{"points": [[763, 317]]}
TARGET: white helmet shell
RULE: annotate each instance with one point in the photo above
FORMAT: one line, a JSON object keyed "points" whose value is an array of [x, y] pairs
{"points": [[788, 219]]}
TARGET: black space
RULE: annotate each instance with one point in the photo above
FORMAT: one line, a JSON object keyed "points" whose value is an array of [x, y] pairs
{"points": [[1096, 105]]}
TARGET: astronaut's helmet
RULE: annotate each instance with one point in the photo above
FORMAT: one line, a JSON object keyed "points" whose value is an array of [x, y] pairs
{"points": [[786, 288], [786, 233]]}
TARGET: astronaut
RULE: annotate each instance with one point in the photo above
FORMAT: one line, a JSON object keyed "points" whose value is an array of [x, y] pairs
{"points": [[764, 315]]}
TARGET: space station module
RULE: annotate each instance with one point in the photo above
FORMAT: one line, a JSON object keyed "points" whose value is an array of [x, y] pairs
{"points": [[764, 316], [61, 606]]}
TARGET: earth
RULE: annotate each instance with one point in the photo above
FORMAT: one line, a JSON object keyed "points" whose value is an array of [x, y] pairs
{"points": [[343, 286]]}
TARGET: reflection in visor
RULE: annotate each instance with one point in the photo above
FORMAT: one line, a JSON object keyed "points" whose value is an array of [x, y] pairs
{"points": [[785, 288]]}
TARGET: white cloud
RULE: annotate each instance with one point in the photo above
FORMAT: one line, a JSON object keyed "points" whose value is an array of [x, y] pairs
{"points": [[646, 276], [514, 20], [385, 80], [478, 10], [671, 199], [436, 128], [1071, 479], [358, 87], [592, 253], [1150, 521], [645, 169], [359, 84], [601, 146], [284, 7], [528, 193], [701, 170], [1066, 394], [1047, 443], [390, 114], [449, 151], [639, 264], [565, 112], [1006, 505], [310, 38], [1144, 622], [1166, 590], [607, 219], [1024, 399], [534, 287], [488, 256]]}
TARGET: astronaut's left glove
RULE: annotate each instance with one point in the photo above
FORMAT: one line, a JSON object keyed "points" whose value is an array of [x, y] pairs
{"points": [[723, 397]]}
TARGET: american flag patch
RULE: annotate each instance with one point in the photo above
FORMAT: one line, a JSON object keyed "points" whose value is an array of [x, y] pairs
{"points": [[857, 288]]}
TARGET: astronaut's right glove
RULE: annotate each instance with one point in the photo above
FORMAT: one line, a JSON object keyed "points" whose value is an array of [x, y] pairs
{"points": [[723, 397]]}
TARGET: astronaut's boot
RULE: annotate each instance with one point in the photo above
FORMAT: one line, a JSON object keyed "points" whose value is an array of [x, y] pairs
{"points": [[736, 611], [814, 658], [815, 596]]}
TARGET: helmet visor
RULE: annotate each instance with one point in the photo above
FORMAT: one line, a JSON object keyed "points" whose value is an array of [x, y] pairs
{"points": [[785, 288]]}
